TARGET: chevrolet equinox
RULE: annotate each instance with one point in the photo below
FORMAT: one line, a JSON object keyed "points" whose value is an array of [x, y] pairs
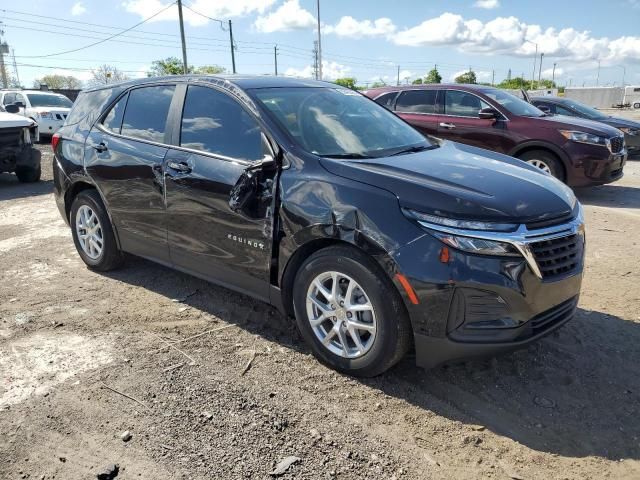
{"points": [[319, 201]]}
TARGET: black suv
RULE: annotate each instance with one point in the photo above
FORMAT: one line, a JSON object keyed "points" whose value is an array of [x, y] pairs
{"points": [[317, 200]]}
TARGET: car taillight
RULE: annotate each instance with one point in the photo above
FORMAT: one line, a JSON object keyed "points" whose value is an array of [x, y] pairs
{"points": [[54, 141]]}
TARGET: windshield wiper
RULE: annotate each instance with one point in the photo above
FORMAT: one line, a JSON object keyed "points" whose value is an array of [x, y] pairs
{"points": [[346, 155], [414, 149]]}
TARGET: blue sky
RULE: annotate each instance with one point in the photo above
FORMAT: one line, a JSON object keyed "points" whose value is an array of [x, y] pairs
{"points": [[491, 36]]}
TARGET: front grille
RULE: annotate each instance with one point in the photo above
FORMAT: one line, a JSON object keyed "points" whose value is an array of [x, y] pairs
{"points": [[558, 256], [553, 316], [616, 144]]}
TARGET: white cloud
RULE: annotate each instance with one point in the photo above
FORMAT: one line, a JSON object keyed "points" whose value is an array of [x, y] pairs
{"points": [[406, 74], [482, 76], [289, 16], [350, 27], [222, 9], [487, 4], [78, 9], [509, 35], [330, 71], [548, 72]]}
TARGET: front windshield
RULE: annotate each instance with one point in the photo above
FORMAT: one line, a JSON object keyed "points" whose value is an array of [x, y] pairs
{"points": [[336, 122], [514, 104], [48, 100], [581, 108]]}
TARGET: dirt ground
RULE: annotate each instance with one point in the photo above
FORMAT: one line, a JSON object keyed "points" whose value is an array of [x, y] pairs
{"points": [[567, 407]]}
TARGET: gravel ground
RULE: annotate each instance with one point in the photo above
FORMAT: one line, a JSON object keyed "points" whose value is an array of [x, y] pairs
{"points": [[74, 342]]}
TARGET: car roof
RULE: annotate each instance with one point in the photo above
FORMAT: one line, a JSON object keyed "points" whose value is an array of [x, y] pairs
{"points": [[36, 92], [430, 86], [550, 99], [241, 81]]}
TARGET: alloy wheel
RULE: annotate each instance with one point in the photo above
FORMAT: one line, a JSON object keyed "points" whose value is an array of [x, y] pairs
{"points": [[341, 314], [89, 232], [541, 164]]}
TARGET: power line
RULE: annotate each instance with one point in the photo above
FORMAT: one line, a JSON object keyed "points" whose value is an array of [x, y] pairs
{"points": [[106, 39]]}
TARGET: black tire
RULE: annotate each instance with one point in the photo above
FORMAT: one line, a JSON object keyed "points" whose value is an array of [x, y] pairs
{"points": [[548, 158], [393, 330], [111, 257], [29, 168]]}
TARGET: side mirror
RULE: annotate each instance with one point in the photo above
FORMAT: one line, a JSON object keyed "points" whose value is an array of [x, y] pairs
{"points": [[247, 188], [544, 109], [12, 108], [20, 104], [488, 113]]}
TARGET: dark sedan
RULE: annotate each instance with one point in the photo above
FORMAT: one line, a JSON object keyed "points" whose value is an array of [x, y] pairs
{"points": [[573, 108]]}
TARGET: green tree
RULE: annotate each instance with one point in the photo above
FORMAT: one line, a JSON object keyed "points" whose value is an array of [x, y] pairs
{"points": [[433, 76], [174, 66], [106, 74], [417, 81], [378, 83], [58, 81], [348, 82], [467, 77]]}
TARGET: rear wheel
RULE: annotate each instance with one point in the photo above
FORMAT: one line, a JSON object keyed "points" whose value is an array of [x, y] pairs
{"points": [[545, 161], [28, 169], [349, 312], [92, 232]]}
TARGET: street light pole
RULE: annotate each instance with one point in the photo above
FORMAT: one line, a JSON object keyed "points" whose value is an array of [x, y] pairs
{"points": [[553, 75], [540, 69], [233, 54]]}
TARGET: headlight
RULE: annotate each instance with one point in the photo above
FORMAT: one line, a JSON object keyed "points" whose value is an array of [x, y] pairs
{"points": [[426, 219], [582, 137], [630, 131], [45, 115], [477, 245]]}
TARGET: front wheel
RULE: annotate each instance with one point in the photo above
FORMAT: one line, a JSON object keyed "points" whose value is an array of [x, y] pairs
{"points": [[92, 232], [545, 161], [349, 312]]}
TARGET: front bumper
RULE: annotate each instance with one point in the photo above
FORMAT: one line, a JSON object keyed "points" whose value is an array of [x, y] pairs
{"points": [[593, 165], [49, 127], [476, 305]]}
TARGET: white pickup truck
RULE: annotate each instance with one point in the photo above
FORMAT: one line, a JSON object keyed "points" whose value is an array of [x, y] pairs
{"points": [[17, 153]]}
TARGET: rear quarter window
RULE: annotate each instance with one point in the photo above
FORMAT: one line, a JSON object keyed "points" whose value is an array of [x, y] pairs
{"points": [[417, 101], [88, 106]]}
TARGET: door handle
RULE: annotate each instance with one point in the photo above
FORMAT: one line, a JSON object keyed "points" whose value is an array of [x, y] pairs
{"points": [[181, 167], [447, 125], [101, 147]]}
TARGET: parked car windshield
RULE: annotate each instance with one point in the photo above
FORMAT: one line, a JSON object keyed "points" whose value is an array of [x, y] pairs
{"points": [[583, 109], [337, 122], [514, 104], [48, 100]]}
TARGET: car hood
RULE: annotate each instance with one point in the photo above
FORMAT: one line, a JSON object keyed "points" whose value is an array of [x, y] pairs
{"points": [[12, 120], [564, 122], [619, 122], [463, 182]]}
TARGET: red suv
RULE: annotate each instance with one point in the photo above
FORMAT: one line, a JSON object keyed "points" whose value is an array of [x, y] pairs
{"points": [[577, 151]]}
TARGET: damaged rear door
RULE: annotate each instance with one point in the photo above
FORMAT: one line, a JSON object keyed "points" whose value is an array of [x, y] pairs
{"points": [[216, 140]]}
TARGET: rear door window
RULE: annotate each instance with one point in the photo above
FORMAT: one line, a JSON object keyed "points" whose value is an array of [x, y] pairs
{"points": [[417, 101], [213, 122], [463, 104], [145, 115]]}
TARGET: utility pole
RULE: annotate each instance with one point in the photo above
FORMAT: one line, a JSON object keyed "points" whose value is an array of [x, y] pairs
{"points": [[15, 68], [316, 73], [4, 49], [509, 76], [398, 80], [275, 58], [598, 76], [624, 72], [319, 44], [553, 75], [493, 77], [540, 69], [233, 54], [184, 45], [533, 75]]}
